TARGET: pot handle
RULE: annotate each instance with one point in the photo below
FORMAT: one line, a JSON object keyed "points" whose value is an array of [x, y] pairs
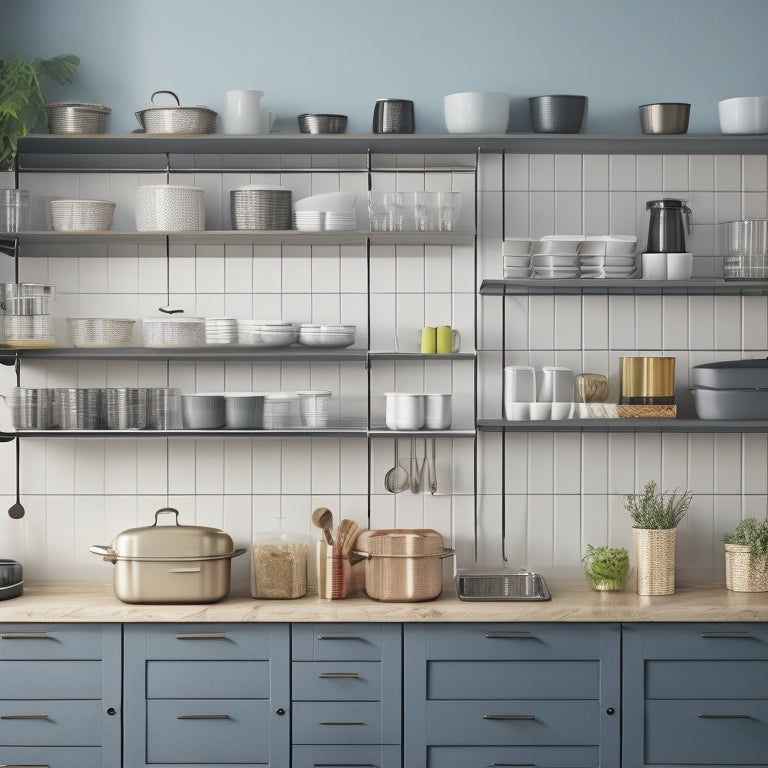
{"points": [[170, 93], [109, 554], [360, 555], [447, 553], [167, 510]]}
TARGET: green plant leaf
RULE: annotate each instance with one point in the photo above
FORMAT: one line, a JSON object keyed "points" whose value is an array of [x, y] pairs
{"points": [[59, 68]]}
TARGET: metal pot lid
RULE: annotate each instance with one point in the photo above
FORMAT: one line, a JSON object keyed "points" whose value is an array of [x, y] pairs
{"points": [[177, 105], [172, 541]]}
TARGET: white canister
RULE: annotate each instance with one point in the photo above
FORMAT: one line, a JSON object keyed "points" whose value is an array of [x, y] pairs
{"points": [[404, 410], [244, 113], [437, 410], [519, 389], [557, 384]]}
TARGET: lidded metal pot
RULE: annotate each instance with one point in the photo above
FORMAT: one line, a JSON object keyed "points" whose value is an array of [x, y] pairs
{"points": [[666, 229]]}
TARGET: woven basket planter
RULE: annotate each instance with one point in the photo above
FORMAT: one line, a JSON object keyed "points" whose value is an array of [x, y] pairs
{"points": [[742, 573], [655, 560]]}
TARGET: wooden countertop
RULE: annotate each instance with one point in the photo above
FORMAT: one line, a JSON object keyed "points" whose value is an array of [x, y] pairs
{"points": [[572, 601]]}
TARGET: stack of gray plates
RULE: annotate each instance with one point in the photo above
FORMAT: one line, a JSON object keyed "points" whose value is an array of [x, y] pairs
{"points": [[261, 206], [220, 330]]}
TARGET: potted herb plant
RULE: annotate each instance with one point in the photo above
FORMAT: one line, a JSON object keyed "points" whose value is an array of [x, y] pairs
{"points": [[22, 105], [746, 556], [606, 568], [655, 517]]}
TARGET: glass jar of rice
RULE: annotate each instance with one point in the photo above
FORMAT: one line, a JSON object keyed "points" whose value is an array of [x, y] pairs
{"points": [[279, 565]]}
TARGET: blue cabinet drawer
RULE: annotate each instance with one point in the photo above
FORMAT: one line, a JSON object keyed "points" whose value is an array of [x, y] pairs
{"points": [[514, 641], [347, 756], [207, 731], [204, 641], [703, 641], [54, 641], [51, 723], [343, 642], [513, 680], [545, 723], [526, 757], [54, 757], [208, 679], [330, 722], [336, 681], [706, 679], [706, 732], [51, 679]]}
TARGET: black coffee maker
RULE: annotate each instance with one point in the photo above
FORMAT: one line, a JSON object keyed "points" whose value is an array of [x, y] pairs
{"points": [[666, 229]]}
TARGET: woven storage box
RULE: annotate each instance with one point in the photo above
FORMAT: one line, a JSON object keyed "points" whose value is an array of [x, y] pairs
{"points": [[173, 331], [101, 331], [169, 208], [77, 117], [655, 560], [742, 573], [261, 206], [81, 215]]}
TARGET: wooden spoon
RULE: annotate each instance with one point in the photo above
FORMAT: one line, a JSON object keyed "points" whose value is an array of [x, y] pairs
{"points": [[322, 518]]}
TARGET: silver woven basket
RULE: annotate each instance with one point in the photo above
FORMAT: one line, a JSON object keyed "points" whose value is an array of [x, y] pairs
{"points": [[101, 331], [169, 207], [176, 119], [80, 215], [77, 117]]}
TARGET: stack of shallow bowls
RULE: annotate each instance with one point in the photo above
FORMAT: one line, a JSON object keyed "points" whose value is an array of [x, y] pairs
{"points": [[328, 336], [261, 206], [556, 256], [609, 256], [220, 330], [265, 333], [516, 255], [173, 331], [282, 410], [332, 211]]}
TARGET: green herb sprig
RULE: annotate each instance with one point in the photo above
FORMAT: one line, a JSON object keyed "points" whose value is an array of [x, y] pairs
{"points": [[657, 511]]}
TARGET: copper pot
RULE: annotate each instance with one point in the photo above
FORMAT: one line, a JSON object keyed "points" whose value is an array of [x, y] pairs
{"points": [[403, 565]]}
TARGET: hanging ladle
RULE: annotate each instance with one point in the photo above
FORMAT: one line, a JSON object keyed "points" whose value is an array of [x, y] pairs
{"points": [[396, 479], [322, 518], [16, 511]]}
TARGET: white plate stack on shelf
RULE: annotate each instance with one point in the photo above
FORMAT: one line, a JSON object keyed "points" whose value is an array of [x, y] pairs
{"points": [[608, 256], [331, 211], [220, 330], [266, 333], [516, 256], [556, 256]]}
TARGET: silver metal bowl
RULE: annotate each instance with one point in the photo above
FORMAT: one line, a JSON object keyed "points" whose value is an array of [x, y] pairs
{"points": [[317, 123], [669, 117]]}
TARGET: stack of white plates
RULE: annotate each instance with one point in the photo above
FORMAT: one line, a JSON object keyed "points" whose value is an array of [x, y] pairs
{"points": [[556, 256], [282, 410], [516, 255], [608, 256], [220, 330], [329, 336], [266, 333], [331, 211], [261, 206]]}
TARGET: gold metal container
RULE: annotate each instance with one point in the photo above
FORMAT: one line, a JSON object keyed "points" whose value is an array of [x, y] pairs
{"points": [[647, 381]]}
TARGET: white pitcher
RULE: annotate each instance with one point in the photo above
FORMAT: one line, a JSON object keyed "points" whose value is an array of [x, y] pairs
{"points": [[244, 113]]}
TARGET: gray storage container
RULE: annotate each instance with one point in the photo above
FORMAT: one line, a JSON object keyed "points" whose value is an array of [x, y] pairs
{"points": [[732, 374]]}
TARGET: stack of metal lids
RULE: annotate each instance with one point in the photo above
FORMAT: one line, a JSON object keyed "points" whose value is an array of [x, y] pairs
{"points": [[261, 206]]}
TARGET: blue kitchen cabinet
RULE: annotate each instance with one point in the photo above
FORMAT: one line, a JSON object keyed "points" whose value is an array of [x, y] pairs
{"points": [[695, 694], [512, 694], [61, 695], [207, 695], [346, 690]]}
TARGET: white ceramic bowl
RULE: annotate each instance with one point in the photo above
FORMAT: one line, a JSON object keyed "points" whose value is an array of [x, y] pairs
{"points": [[516, 246], [608, 245], [744, 114], [476, 112], [405, 410]]}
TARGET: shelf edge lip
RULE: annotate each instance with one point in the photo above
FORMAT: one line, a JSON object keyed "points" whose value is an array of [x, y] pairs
{"points": [[625, 425]]}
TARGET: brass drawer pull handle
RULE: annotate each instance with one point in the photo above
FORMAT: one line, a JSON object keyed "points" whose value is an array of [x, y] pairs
{"points": [[338, 676], [339, 637], [340, 723], [509, 717], [203, 636], [508, 635], [24, 717], [725, 717], [717, 635], [203, 717], [23, 636]]}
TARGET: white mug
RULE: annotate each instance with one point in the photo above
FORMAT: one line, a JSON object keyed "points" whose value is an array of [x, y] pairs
{"points": [[244, 114], [679, 266]]}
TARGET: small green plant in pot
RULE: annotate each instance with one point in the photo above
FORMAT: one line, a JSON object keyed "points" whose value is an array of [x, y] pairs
{"points": [[606, 568], [22, 105], [655, 516], [746, 556]]}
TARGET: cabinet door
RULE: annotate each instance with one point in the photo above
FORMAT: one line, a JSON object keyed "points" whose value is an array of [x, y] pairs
{"points": [[207, 694], [537, 692], [695, 694]]}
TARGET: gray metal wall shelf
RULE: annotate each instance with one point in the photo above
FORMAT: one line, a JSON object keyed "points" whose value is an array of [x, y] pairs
{"points": [[693, 287], [622, 425], [443, 143]]}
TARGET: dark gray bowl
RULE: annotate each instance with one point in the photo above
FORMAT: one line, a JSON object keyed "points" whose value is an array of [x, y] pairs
{"points": [[557, 114]]}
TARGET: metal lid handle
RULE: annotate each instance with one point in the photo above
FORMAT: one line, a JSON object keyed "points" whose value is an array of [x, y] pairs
{"points": [[167, 511]]}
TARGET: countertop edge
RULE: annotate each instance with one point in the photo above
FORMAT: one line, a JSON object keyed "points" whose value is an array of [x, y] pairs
{"points": [[572, 602]]}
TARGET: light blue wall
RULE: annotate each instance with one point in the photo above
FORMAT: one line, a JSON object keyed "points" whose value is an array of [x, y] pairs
{"points": [[341, 55]]}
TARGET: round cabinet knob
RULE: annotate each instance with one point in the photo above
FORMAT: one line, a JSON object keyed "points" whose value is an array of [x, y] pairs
{"points": [[280, 711], [610, 711], [111, 711]]}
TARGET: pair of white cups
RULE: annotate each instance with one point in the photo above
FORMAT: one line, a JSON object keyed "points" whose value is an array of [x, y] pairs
{"points": [[555, 396], [667, 266]]}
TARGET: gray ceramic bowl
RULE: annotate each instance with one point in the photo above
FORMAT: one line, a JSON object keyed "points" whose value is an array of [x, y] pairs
{"points": [[557, 114]]}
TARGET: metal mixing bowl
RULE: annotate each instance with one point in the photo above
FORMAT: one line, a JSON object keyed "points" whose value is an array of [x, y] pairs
{"points": [[322, 123]]}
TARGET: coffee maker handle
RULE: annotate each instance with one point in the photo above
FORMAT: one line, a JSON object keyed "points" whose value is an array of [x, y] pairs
{"points": [[687, 211]]}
